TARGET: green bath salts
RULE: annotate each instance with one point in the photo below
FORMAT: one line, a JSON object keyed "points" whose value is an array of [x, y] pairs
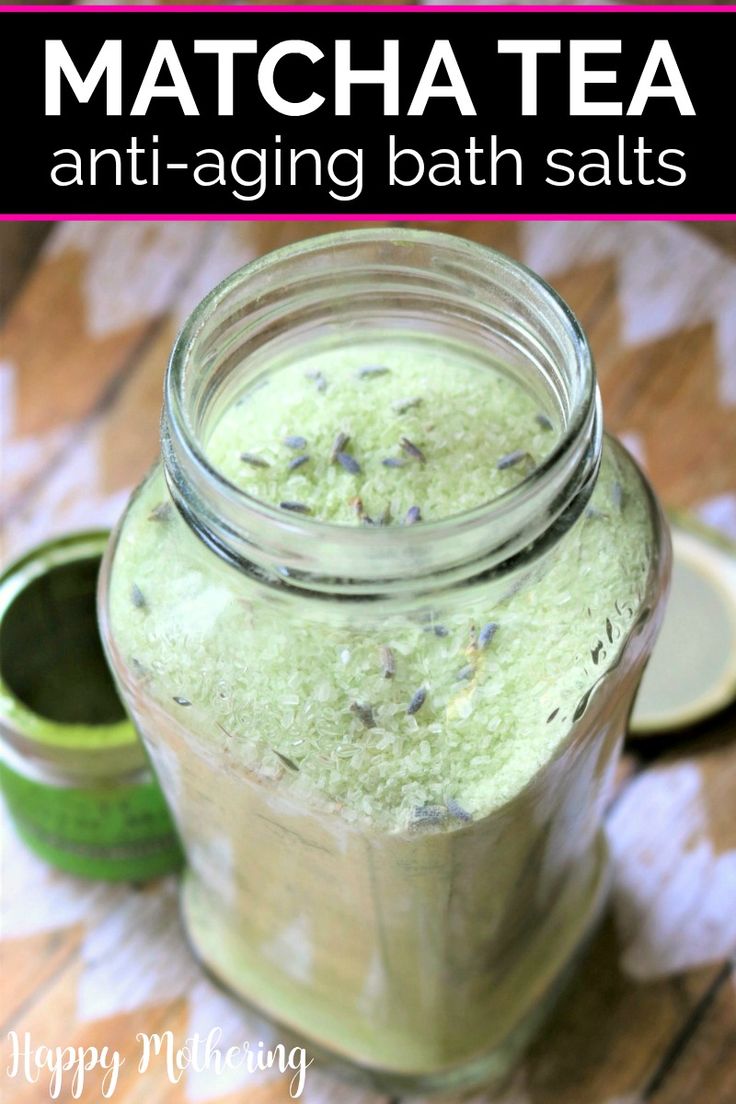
{"points": [[403, 775], [403, 435], [327, 708]]}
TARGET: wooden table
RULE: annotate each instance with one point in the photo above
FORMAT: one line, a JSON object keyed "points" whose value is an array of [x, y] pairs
{"points": [[652, 1014]]}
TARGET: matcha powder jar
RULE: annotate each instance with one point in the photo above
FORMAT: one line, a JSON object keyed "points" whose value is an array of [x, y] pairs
{"points": [[380, 614]]}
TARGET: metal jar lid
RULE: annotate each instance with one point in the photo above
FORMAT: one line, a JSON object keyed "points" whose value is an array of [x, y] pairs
{"points": [[691, 675], [73, 771]]}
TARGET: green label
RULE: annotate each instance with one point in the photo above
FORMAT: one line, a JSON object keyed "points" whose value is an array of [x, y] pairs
{"points": [[118, 832]]}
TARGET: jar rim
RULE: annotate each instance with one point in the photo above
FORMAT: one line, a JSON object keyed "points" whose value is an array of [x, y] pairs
{"points": [[30, 740], [191, 475]]}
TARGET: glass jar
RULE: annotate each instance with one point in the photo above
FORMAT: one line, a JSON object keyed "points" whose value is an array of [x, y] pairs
{"points": [[73, 773], [405, 894]]}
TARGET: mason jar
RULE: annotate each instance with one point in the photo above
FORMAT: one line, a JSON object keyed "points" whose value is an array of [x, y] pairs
{"points": [[388, 742]]}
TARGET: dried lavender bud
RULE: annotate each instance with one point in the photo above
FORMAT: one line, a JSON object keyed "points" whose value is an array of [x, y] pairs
{"points": [[402, 405], [292, 766], [465, 672], [371, 371], [394, 462], [181, 701], [486, 634], [512, 458], [298, 461], [456, 810], [553, 714], [348, 462], [595, 653], [137, 597], [440, 630], [413, 515], [253, 460], [388, 662], [429, 814], [162, 512], [411, 450], [609, 630], [295, 507], [417, 701], [319, 380], [339, 445], [364, 713], [295, 442], [543, 421]]}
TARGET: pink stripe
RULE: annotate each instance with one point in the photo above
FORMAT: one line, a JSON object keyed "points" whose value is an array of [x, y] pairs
{"points": [[53, 8], [362, 217]]}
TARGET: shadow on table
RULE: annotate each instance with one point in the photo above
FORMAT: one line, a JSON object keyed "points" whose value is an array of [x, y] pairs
{"points": [[611, 1037]]}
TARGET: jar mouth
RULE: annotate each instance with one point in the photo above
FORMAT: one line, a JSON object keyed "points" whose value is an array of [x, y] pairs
{"points": [[323, 280], [59, 708]]}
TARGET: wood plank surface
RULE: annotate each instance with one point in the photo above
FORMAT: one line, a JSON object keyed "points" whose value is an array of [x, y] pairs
{"points": [[651, 1014]]}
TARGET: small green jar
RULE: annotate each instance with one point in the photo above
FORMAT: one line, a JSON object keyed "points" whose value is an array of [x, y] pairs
{"points": [[75, 777]]}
